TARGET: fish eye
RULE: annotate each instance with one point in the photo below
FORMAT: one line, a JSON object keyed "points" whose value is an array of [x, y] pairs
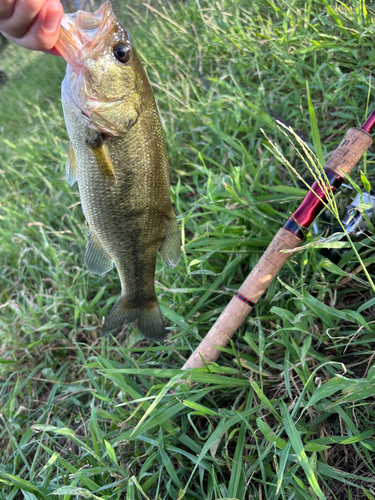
{"points": [[122, 53]]}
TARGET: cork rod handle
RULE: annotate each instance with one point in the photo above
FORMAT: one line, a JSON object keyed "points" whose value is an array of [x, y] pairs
{"points": [[343, 159], [350, 150]]}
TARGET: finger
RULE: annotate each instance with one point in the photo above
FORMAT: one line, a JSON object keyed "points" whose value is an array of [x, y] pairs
{"points": [[44, 32], [6, 8], [23, 15]]}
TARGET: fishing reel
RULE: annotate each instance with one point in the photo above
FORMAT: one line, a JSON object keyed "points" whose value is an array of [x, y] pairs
{"points": [[357, 218], [354, 220]]}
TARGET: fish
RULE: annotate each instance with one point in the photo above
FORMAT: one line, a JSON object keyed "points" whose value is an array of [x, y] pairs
{"points": [[118, 156]]}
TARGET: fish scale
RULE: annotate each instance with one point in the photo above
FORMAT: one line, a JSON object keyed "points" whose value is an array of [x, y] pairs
{"points": [[118, 156]]}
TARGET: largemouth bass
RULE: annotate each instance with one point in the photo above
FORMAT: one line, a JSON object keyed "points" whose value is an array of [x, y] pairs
{"points": [[118, 156]]}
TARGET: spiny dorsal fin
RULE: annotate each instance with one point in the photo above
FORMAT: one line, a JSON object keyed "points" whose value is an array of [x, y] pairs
{"points": [[170, 248], [96, 260], [71, 166]]}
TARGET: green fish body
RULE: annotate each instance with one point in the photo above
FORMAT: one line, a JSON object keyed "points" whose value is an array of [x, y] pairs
{"points": [[118, 156]]}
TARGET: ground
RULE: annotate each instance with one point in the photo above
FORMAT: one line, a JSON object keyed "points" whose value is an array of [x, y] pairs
{"points": [[288, 412]]}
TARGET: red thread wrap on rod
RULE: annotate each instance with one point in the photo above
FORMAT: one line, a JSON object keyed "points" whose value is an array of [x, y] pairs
{"points": [[369, 123], [312, 205]]}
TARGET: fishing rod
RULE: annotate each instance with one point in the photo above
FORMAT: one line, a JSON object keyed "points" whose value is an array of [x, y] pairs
{"points": [[290, 236]]}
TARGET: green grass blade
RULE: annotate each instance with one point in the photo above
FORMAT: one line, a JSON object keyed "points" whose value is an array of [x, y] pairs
{"points": [[314, 128], [297, 445]]}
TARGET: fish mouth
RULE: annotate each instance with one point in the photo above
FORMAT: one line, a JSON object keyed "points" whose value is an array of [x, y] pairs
{"points": [[82, 30]]}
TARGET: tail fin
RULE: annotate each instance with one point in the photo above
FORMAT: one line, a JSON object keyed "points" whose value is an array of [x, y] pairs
{"points": [[148, 319]]}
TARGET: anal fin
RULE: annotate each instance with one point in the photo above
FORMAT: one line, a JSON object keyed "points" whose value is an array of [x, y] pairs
{"points": [[170, 248], [71, 166], [96, 259]]}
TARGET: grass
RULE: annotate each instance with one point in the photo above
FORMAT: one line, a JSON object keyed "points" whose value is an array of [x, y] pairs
{"points": [[288, 412]]}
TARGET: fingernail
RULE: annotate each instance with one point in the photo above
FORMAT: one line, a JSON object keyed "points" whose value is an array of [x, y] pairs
{"points": [[52, 20]]}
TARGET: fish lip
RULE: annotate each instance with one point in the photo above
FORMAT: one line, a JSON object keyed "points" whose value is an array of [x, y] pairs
{"points": [[81, 31], [69, 47]]}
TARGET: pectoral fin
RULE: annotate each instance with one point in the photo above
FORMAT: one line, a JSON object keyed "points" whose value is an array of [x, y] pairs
{"points": [[71, 166], [102, 158], [96, 260], [170, 248]]}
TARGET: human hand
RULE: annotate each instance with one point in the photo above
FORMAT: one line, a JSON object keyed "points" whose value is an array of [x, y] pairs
{"points": [[33, 24]]}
